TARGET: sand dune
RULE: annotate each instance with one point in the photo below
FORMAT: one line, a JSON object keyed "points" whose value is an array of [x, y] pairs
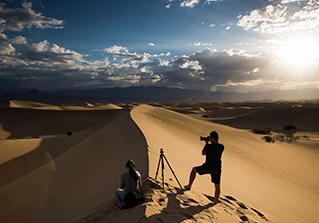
{"points": [[73, 178], [84, 176], [246, 115], [31, 105], [261, 174]]}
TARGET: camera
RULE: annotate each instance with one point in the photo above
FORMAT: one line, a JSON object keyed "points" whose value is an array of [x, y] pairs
{"points": [[202, 138]]}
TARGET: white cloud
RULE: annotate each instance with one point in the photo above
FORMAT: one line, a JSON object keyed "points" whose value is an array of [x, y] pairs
{"points": [[27, 5], [6, 49], [228, 28], [189, 3], [273, 19], [211, 25], [168, 6], [285, 1], [151, 44], [18, 19], [273, 14], [51, 53], [19, 40], [113, 49], [197, 44]]}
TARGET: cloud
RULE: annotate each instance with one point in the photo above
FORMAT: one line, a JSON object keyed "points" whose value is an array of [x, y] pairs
{"points": [[151, 44], [208, 1], [19, 40], [285, 1], [112, 49], [51, 66], [21, 18], [52, 53], [168, 6], [269, 13], [189, 3], [273, 19]]}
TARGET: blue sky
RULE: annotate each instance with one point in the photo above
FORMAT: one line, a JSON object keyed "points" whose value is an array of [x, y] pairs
{"points": [[217, 45]]}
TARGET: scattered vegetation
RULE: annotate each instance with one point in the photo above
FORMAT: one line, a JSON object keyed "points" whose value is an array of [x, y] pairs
{"points": [[289, 127], [261, 131], [305, 136], [205, 116], [69, 133], [268, 139], [286, 138]]}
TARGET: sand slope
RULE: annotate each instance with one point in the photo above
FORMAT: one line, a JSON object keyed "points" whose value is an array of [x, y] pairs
{"points": [[83, 176], [275, 178]]}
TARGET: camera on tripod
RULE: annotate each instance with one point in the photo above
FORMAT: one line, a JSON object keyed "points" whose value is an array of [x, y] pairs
{"points": [[202, 138]]}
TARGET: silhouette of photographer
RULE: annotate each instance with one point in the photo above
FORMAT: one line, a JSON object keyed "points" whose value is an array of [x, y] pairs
{"points": [[213, 152]]}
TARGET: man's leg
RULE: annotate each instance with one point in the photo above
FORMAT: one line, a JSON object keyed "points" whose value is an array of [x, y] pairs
{"points": [[217, 193], [192, 176]]}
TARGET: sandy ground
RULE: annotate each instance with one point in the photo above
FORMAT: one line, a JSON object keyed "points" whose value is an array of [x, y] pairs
{"points": [[49, 176]]}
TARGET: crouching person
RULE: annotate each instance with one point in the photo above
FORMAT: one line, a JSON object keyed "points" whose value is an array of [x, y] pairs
{"points": [[130, 184]]}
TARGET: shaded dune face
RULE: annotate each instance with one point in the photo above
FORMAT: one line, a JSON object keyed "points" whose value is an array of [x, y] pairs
{"points": [[49, 186], [24, 122]]}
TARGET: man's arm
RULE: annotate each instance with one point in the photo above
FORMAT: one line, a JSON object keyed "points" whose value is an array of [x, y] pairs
{"points": [[203, 150]]}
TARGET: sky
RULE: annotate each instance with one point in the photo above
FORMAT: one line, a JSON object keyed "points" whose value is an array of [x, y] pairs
{"points": [[215, 45]]}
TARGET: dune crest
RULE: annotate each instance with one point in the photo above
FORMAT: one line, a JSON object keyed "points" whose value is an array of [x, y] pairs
{"points": [[31, 105]]}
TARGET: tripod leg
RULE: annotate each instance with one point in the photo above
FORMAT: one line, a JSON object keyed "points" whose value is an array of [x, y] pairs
{"points": [[162, 170], [172, 172], [159, 161]]}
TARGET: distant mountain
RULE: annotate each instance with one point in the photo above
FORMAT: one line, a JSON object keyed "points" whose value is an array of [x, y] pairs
{"points": [[151, 93], [131, 92], [34, 93]]}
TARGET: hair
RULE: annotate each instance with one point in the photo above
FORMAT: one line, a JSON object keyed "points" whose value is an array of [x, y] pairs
{"points": [[131, 165], [214, 135]]}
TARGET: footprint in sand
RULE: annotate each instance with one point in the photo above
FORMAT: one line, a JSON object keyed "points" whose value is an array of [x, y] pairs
{"points": [[244, 218], [231, 198], [241, 205]]}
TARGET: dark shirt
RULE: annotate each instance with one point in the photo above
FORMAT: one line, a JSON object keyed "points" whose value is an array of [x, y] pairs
{"points": [[214, 153]]}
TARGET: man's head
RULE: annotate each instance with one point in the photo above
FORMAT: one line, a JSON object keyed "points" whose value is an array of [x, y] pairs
{"points": [[214, 135]]}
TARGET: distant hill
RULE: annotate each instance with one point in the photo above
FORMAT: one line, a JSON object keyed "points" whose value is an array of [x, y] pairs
{"points": [[151, 93]]}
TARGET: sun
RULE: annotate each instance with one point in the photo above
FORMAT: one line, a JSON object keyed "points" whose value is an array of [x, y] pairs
{"points": [[299, 51]]}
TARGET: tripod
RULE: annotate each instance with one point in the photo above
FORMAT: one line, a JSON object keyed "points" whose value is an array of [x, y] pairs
{"points": [[161, 160]]}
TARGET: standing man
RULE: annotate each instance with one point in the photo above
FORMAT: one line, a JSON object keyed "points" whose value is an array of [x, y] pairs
{"points": [[213, 164]]}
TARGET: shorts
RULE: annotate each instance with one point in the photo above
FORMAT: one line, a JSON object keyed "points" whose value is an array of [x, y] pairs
{"points": [[214, 173]]}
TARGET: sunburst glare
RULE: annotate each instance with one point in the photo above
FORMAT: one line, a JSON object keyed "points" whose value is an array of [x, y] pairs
{"points": [[299, 51]]}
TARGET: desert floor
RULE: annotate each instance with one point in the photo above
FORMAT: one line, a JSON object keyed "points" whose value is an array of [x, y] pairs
{"points": [[62, 163]]}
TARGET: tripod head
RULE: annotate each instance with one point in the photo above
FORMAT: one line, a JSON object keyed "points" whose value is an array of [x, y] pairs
{"points": [[162, 151]]}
